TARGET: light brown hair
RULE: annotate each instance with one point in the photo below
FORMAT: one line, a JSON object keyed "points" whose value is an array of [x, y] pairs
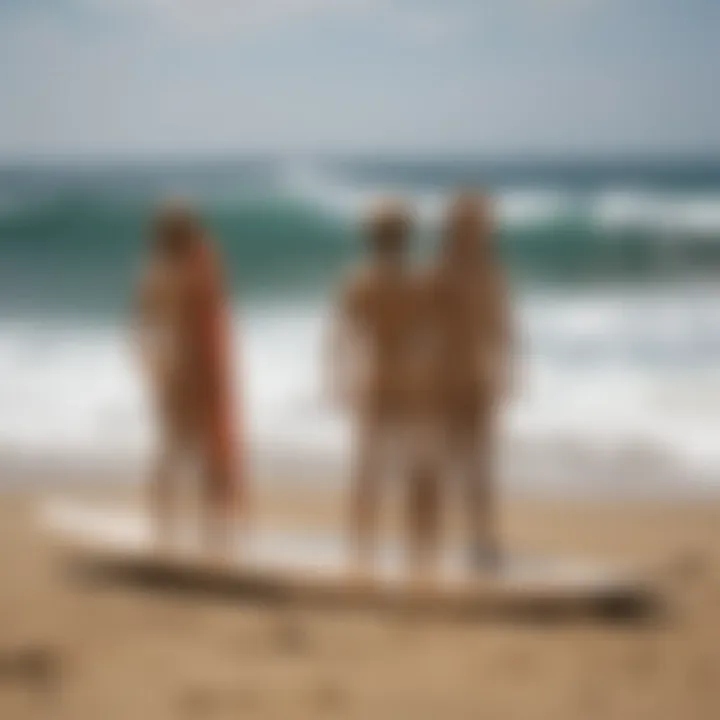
{"points": [[175, 228], [388, 227]]}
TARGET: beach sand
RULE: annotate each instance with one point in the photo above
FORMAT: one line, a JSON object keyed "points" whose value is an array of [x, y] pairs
{"points": [[75, 650]]}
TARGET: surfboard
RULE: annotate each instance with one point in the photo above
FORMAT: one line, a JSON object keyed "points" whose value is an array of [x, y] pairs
{"points": [[309, 566]]}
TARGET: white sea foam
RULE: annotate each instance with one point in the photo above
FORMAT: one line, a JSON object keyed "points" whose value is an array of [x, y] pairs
{"points": [[604, 376], [338, 196], [670, 214]]}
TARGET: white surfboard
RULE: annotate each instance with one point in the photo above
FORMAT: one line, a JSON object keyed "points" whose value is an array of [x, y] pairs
{"points": [[312, 564]]}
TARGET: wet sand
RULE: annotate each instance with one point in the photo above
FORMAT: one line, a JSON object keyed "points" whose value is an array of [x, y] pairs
{"points": [[81, 651]]}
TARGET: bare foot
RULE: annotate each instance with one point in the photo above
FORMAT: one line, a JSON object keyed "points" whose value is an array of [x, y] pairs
{"points": [[163, 536], [361, 571], [423, 577], [485, 557]]}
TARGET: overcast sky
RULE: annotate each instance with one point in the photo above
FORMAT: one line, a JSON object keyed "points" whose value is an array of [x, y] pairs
{"points": [[481, 76]]}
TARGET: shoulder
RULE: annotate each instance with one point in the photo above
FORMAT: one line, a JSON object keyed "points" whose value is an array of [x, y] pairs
{"points": [[206, 261], [418, 283], [356, 286], [149, 281], [431, 281], [426, 278], [148, 276], [495, 282]]}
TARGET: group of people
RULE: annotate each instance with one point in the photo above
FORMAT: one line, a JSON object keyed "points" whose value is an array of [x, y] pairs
{"points": [[418, 357], [421, 358]]}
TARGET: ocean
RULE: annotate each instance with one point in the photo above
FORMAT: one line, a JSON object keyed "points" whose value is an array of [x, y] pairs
{"points": [[613, 265]]}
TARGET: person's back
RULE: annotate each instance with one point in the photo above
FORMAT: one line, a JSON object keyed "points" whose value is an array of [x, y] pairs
{"points": [[465, 307], [166, 306], [380, 303], [182, 332], [469, 333], [373, 356]]}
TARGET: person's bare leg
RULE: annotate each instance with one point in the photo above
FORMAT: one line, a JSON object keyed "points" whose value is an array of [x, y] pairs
{"points": [[424, 519], [238, 507], [163, 494], [219, 509], [365, 501], [479, 450], [424, 502]]}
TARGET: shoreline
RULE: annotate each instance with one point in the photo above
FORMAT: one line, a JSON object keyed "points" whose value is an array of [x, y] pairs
{"points": [[86, 650], [635, 482]]}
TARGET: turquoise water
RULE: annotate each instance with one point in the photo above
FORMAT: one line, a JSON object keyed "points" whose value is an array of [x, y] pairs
{"points": [[616, 304], [71, 236]]}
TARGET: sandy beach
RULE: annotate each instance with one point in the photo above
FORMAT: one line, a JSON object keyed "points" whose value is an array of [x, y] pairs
{"points": [[81, 651], [293, 248]]}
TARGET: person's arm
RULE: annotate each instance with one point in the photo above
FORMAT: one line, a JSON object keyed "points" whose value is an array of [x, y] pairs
{"points": [[142, 323], [340, 349], [504, 338]]}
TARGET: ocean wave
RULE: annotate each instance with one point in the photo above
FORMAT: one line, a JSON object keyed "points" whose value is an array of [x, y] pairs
{"points": [[612, 209], [73, 241], [601, 373], [678, 215]]}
